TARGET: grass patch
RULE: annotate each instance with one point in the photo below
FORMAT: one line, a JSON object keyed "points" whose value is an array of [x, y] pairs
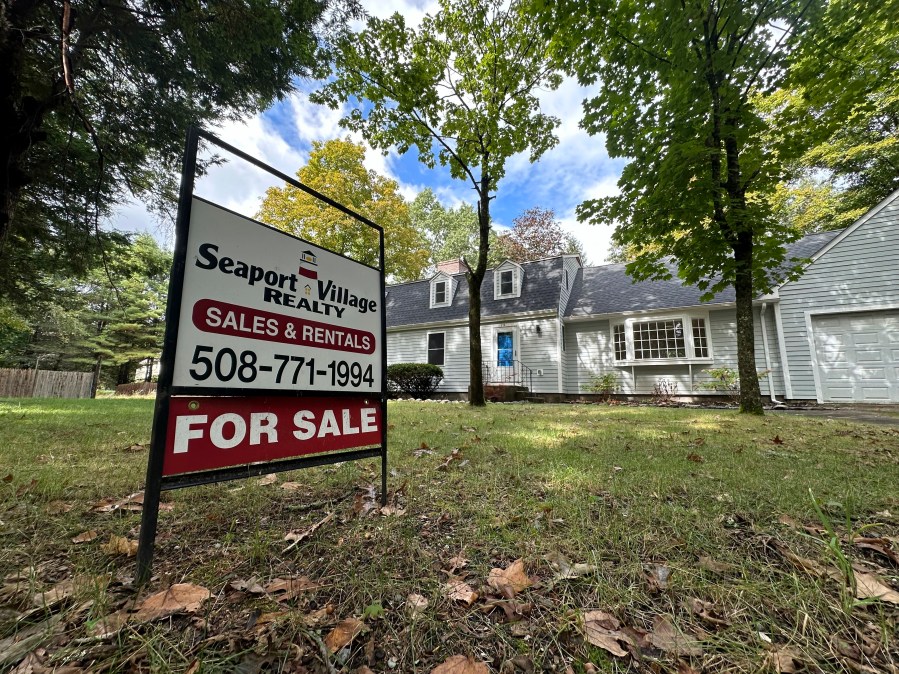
{"points": [[700, 495]]}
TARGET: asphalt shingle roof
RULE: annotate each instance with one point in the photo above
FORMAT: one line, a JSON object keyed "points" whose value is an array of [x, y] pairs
{"points": [[609, 290], [408, 303], [606, 289]]}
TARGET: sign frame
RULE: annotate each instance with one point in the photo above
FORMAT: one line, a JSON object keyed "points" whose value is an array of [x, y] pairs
{"points": [[156, 482]]}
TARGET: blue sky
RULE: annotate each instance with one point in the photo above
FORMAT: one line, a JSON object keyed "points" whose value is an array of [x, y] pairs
{"points": [[578, 168]]}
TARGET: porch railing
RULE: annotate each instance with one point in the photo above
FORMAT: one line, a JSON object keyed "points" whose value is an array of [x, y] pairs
{"points": [[515, 374]]}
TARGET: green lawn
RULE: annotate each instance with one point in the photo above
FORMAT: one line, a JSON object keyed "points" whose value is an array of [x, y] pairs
{"points": [[700, 520]]}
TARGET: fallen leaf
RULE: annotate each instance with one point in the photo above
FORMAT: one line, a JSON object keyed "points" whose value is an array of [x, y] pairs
{"points": [[457, 589], [455, 455], [343, 634], [65, 590], [710, 564], [457, 562], [695, 458], [602, 629], [292, 486], [565, 569], [298, 536], [869, 586], [119, 545], [179, 598], [23, 489], [85, 536], [707, 612], [511, 580], [513, 610], [881, 546], [657, 575], [250, 586], [389, 510], [461, 664], [786, 660], [776, 440], [365, 502], [7, 478], [59, 507], [285, 589], [807, 565], [135, 448], [416, 603], [133, 502], [667, 637], [266, 480]]}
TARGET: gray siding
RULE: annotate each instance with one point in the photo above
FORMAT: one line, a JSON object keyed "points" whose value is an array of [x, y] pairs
{"points": [[537, 351], [861, 272], [588, 352], [412, 347]]}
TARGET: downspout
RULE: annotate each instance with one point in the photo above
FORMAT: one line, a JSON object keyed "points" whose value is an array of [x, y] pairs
{"points": [[768, 356]]}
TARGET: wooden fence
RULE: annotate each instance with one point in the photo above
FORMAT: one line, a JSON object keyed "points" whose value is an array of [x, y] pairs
{"points": [[45, 384]]}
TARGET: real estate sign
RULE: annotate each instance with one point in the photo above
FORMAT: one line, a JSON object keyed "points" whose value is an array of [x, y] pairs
{"points": [[274, 354]]}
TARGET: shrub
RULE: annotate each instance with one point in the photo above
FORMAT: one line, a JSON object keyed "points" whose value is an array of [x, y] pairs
{"points": [[606, 384], [725, 380], [664, 392], [418, 380]]}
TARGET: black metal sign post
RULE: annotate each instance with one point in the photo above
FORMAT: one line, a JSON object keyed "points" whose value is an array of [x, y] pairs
{"points": [[265, 398]]}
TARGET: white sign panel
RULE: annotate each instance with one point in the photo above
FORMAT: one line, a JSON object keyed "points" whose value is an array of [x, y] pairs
{"points": [[263, 310]]}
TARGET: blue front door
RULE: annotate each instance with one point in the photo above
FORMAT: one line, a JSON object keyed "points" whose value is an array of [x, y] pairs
{"points": [[505, 349]]}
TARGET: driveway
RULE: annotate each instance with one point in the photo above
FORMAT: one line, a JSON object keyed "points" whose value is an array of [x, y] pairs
{"points": [[885, 415]]}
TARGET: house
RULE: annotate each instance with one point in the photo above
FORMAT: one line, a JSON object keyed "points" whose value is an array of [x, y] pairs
{"points": [[552, 325]]}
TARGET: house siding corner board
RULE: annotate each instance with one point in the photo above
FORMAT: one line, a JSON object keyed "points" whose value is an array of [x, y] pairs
{"points": [[859, 275], [411, 346]]}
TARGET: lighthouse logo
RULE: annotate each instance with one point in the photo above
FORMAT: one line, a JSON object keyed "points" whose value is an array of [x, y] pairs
{"points": [[308, 262]]}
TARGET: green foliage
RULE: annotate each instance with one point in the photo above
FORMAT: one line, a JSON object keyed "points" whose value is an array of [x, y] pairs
{"points": [[451, 232], [606, 384], [418, 380], [840, 106], [723, 379], [336, 169], [461, 89], [97, 100], [679, 81]]}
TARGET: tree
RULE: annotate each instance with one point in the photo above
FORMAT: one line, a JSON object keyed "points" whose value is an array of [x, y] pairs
{"points": [[336, 170], [461, 89], [537, 234], [845, 115], [96, 96], [452, 233], [679, 82]]}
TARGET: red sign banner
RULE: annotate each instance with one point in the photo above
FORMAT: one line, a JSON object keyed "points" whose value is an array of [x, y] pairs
{"points": [[208, 433], [234, 320]]}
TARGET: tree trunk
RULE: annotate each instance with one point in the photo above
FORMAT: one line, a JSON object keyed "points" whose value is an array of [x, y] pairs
{"points": [[750, 392], [125, 373], [95, 384], [475, 279]]}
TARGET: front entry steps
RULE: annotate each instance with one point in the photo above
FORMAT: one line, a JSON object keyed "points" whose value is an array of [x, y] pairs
{"points": [[508, 393]]}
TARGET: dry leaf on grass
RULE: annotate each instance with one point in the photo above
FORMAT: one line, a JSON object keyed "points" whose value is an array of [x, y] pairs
{"points": [[869, 586], [665, 636], [344, 633], [298, 536], [511, 580], [292, 486], [389, 510], [457, 589], [603, 630], [285, 589], [658, 575], [880, 546], [461, 664], [786, 660], [66, 589], [707, 612], [59, 507], [455, 455], [416, 603], [133, 502], [179, 598], [250, 586], [365, 502], [807, 565], [266, 480], [565, 569], [119, 545], [714, 566], [85, 536]]}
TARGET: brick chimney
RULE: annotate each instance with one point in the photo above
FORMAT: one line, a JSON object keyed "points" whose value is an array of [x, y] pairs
{"points": [[453, 266]]}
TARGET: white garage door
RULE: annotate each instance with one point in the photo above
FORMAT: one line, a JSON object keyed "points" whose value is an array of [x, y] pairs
{"points": [[858, 356]]}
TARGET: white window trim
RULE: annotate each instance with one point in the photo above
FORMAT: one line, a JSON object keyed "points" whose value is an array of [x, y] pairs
{"points": [[686, 321], [517, 278], [433, 292], [428, 346]]}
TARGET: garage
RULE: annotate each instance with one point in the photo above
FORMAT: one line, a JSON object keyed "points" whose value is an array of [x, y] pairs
{"points": [[858, 356]]}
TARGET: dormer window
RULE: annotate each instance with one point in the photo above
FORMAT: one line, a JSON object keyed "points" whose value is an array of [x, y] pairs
{"points": [[507, 280], [443, 288]]}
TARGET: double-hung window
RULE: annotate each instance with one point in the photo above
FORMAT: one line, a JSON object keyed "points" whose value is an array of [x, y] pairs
{"points": [[436, 347], [440, 292], [664, 339], [506, 282]]}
